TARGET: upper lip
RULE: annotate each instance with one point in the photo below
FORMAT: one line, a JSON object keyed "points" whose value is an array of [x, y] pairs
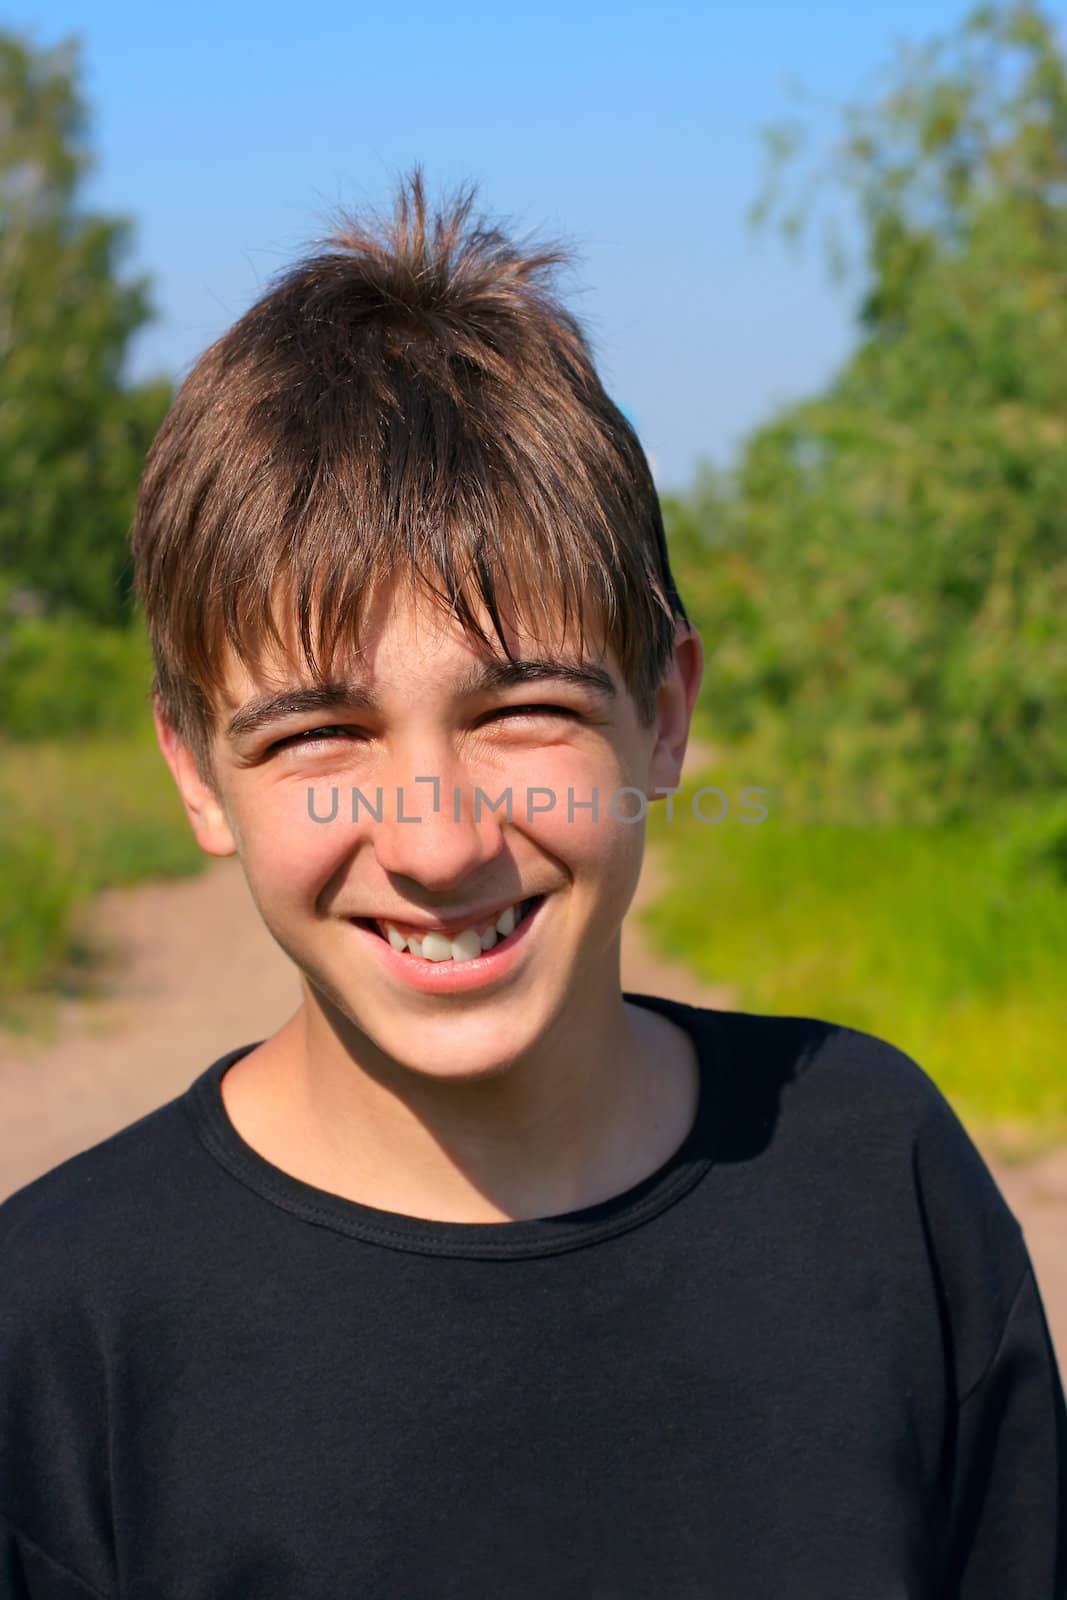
{"points": [[455, 924]]}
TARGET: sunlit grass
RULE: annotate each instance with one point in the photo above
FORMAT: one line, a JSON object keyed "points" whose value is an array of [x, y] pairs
{"points": [[949, 942], [79, 816]]}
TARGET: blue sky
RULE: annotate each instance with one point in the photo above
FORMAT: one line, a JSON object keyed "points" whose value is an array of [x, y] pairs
{"points": [[230, 131]]}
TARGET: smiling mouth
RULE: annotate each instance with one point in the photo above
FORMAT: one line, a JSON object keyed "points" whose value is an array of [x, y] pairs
{"points": [[526, 907]]}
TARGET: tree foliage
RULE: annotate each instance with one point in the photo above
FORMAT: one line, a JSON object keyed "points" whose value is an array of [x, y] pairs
{"points": [[882, 578], [73, 433]]}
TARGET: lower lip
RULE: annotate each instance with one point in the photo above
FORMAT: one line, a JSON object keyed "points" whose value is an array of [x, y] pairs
{"points": [[455, 977]]}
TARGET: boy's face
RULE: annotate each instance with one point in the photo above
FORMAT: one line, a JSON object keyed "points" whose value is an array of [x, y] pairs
{"points": [[312, 879]]}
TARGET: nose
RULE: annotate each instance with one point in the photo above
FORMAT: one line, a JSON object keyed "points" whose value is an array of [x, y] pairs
{"points": [[428, 830]]}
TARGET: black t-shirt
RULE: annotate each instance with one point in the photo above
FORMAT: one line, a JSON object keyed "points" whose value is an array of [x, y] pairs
{"points": [[806, 1359]]}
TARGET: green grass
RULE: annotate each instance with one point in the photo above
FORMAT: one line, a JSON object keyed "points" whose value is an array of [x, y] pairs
{"points": [[79, 816], [948, 941]]}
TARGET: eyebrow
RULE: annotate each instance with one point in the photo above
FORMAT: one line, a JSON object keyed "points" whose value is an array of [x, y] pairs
{"points": [[265, 710]]}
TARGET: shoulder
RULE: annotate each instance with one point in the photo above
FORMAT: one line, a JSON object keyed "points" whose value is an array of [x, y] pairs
{"points": [[859, 1126], [68, 1229], [826, 1080], [816, 1068], [844, 1083], [809, 1076]]}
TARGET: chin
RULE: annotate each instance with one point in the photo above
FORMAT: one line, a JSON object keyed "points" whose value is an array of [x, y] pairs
{"points": [[476, 1072], [471, 1047]]}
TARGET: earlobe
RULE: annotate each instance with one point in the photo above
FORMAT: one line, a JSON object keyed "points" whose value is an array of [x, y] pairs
{"points": [[206, 814]]}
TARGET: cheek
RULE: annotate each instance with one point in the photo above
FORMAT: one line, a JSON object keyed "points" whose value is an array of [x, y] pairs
{"points": [[603, 840], [286, 850]]}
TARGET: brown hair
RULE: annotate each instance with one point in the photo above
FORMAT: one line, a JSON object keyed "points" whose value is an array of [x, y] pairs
{"points": [[414, 398]]}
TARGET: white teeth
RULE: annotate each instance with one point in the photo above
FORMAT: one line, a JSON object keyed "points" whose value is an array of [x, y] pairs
{"points": [[435, 947], [466, 945], [463, 946]]}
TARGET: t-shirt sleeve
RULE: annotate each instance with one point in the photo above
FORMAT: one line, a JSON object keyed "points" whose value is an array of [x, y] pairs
{"points": [[28, 1573], [1008, 1522], [55, 1518], [1005, 1485]]}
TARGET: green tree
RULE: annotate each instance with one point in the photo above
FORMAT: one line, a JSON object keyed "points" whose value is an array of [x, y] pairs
{"points": [[73, 433], [883, 575]]}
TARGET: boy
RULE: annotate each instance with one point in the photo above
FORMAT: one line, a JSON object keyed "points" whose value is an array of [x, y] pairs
{"points": [[481, 1278]]}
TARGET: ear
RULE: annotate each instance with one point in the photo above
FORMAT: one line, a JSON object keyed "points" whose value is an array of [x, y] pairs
{"points": [[209, 821], [675, 699]]}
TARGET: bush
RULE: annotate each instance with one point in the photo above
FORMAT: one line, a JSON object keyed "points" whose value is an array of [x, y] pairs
{"points": [[66, 677], [37, 901], [81, 815]]}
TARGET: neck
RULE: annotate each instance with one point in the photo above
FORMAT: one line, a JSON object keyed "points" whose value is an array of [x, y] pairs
{"points": [[608, 1099]]}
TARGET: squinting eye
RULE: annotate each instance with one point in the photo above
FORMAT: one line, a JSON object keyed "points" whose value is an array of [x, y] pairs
{"points": [[534, 711], [314, 736]]}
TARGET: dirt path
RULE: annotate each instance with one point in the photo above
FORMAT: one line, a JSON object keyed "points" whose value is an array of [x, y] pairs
{"points": [[195, 973]]}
